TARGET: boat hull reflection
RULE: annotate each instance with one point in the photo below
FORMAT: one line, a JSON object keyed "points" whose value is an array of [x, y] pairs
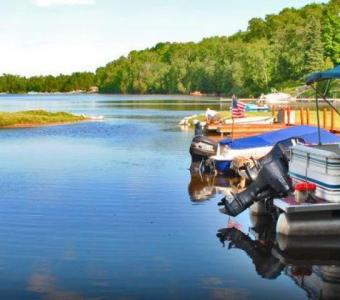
{"points": [[203, 187], [313, 263]]}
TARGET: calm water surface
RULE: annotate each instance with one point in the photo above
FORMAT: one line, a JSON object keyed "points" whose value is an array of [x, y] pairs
{"points": [[109, 210]]}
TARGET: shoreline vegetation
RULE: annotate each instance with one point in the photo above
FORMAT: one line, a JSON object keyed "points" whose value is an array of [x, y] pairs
{"points": [[274, 53], [38, 118]]}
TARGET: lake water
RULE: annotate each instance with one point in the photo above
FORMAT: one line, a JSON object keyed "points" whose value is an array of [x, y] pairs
{"points": [[109, 210]]}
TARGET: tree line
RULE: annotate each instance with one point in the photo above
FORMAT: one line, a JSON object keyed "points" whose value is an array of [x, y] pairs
{"points": [[276, 52], [50, 84]]}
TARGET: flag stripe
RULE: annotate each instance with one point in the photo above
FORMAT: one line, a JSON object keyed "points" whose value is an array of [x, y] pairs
{"points": [[239, 111]]}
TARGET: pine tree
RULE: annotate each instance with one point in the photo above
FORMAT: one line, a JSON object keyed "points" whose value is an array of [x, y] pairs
{"points": [[314, 47], [331, 31]]}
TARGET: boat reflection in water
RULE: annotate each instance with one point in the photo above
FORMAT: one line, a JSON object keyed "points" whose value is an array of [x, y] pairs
{"points": [[313, 263], [203, 186]]}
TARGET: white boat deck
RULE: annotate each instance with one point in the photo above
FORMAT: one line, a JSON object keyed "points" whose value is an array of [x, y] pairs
{"points": [[289, 206], [335, 148]]}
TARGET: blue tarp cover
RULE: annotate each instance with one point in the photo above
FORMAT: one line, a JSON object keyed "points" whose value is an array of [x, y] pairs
{"points": [[308, 133], [319, 76]]}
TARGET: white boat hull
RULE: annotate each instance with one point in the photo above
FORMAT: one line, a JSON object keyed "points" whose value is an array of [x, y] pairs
{"points": [[223, 160], [251, 120], [319, 165]]}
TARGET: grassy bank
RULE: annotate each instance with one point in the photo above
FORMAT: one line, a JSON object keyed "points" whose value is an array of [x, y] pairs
{"points": [[33, 118]]}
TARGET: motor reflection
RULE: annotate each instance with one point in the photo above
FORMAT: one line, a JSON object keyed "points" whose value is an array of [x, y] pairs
{"points": [[313, 263], [259, 249]]}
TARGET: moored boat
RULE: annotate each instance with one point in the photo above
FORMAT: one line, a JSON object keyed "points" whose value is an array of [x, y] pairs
{"points": [[277, 99], [254, 121], [250, 120], [305, 185], [260, 145], [223, 159], [201, 149], [319, 165], [256, 107]]}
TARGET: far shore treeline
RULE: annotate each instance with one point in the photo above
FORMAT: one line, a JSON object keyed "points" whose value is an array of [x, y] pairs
{"points": [[273, 53]]}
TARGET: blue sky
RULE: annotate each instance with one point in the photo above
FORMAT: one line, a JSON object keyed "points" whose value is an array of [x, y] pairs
{"points": [[63, 36]]}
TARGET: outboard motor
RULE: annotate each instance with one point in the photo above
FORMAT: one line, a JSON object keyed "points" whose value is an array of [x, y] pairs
{"points": [[281, 148], [201, 148], [272, 181], [198, 129]]}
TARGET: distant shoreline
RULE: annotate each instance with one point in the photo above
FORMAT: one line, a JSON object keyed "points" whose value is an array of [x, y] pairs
{"points": [[195, 97]]}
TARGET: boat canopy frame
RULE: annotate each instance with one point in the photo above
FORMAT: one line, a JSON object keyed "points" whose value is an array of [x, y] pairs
{"points": [[312, 81]]}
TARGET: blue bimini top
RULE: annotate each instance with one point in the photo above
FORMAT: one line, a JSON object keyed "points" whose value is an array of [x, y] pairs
{"points": [[326, 75], [308, 133]]}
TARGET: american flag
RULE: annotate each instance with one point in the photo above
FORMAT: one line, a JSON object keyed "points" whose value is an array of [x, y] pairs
{"points": [[238, 109]]}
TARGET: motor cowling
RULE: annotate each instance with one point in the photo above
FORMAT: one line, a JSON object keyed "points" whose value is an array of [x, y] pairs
{"points": [[272, 181], [201, 149], [280, 150]]}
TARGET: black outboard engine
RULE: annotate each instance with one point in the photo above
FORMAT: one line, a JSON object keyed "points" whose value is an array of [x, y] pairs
{"points": [[281, 148], [201, 148], [272, 181], [198, 129]]}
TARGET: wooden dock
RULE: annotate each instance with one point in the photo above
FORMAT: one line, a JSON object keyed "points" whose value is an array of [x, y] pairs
{"points": [[288, 117], [249, 130]]}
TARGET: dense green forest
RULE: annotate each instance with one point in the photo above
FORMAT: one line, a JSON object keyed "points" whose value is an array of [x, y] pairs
{"points": [[273, 53]]}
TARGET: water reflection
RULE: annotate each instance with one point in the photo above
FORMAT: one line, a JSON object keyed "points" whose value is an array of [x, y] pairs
{"points": [[203, 187], [45, 286], [313, 263], [259, 249], [96, 211]]}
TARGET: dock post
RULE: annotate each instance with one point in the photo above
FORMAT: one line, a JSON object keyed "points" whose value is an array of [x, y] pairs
{"points": [[332, 120], [302, 116], [273, 113], [324, 118], [318, 114], [308, 116]]}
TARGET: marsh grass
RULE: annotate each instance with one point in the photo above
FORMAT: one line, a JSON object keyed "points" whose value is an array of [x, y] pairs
{"points": [[36, 118]]}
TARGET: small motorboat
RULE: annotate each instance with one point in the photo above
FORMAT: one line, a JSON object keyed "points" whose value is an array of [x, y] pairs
{"points": [[196, 94], [276, 99], [256, 107], [227, 125], [223, 159], [219, 155], [250, 120], [260, 145]]}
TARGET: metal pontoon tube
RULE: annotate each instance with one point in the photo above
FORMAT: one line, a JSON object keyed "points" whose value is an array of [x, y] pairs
{"points": [[309, 224]]}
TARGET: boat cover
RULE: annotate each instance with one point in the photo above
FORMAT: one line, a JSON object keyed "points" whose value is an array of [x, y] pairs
{"points": [[319, 76], [308, 133]]}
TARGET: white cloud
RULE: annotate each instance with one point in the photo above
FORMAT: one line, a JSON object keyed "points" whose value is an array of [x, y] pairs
{"points": [[46, 3]]}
